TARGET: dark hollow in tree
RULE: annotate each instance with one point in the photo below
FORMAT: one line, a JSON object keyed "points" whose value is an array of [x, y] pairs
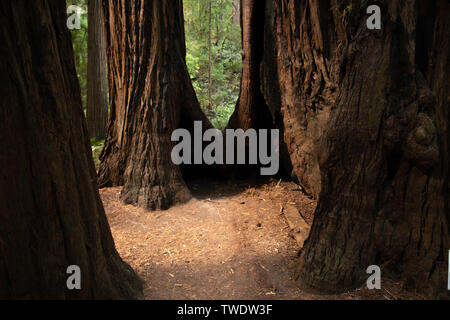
{"points": [[366, 113], [150, 96], [51, 215], [97, 78]]}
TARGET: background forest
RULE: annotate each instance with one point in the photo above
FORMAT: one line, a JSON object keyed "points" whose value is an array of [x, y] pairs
{"points": [[213, 43]]}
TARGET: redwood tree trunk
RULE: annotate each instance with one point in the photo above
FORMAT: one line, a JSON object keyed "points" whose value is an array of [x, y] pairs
{"points": [[366, 111], [97, 83], [251, 110], [51, 215], [150, 95], [236, 12], [299, 80]]}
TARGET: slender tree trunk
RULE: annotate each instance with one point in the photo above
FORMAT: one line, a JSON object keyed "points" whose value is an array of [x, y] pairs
{"points": [[150, 96], [97, 81], [236, 11], [209, 56], [51, 215], [219, 23], [366, 111], [251, 110]]}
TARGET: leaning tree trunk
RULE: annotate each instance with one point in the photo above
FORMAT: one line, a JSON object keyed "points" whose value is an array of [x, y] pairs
{"points": [[51, 215], [97, 82], [150, 95], [367, 111]]}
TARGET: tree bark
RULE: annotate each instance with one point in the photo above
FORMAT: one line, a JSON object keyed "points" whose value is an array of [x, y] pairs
{"points": [[97, 79], [51, 215], [209, 56], [236, 11], [255, 110], [251, 110], [299, 71], [150, 96], [366, 112]]}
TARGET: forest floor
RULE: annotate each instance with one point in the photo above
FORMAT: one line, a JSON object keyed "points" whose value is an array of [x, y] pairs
{"points": [[231, 241]]}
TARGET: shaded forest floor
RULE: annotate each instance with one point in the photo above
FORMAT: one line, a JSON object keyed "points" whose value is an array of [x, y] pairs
{"points": [[230, 241]]}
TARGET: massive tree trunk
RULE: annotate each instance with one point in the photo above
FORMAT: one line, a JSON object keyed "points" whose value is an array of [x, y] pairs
{"points": [[299, 71], [97, 83], [366, 111], [150, 95], [51, 215]]}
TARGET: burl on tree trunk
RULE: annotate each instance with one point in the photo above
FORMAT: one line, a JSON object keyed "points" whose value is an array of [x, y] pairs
{"points": [[51, 215], [150, 96], [366, 113]]}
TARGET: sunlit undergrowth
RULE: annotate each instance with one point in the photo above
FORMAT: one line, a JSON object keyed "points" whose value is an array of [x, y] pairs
{"points": [[97, 147]]}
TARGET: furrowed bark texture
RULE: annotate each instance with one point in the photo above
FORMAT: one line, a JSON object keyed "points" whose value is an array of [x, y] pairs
{"points": [[51, 215], [368, 111], [150, 96], [97, 79], [299, 72]]}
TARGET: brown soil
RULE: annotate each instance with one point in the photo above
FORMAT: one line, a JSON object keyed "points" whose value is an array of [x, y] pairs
{"points": [[230, 241]]}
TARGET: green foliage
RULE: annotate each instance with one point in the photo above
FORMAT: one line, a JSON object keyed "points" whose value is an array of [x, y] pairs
{"points": [[97, 147], [226, 62], [80, 47]]}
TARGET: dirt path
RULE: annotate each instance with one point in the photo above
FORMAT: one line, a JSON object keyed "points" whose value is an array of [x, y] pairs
{"points": [[229, 242]]}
